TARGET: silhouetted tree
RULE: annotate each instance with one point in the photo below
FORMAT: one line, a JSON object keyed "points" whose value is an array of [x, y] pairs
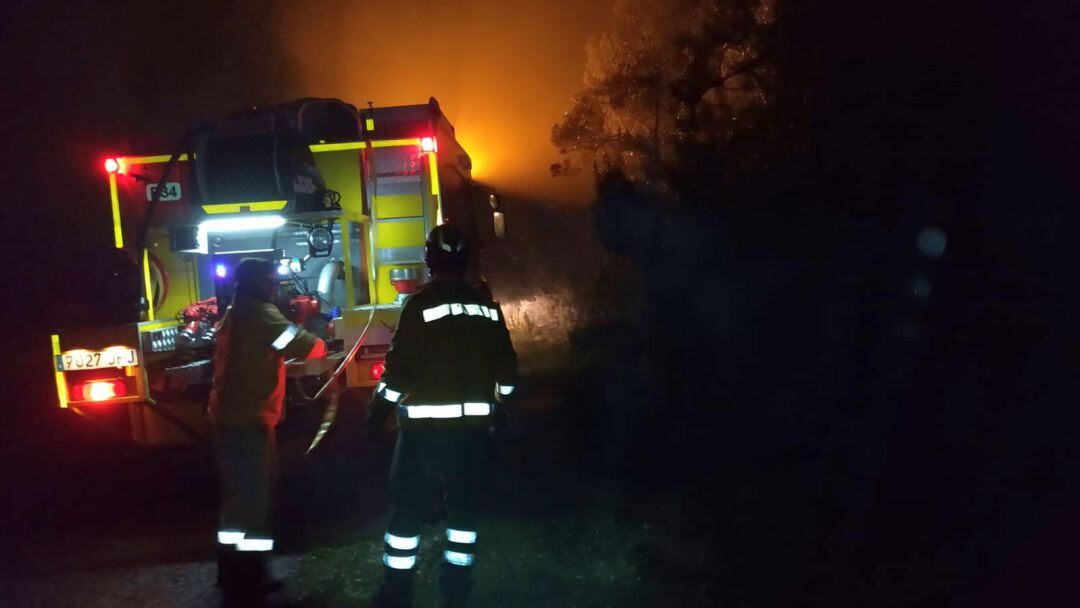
{"points": [[671, 86]]}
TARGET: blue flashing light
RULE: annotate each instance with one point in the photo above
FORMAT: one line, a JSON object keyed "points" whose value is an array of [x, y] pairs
{"points": [[221, 271]]}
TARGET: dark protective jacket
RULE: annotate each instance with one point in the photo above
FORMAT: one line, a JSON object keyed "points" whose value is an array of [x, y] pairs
{"points": [[451, 358], [249, 364]]}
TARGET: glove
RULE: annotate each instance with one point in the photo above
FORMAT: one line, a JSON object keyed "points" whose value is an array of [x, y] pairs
{"points": [[377, 411]]}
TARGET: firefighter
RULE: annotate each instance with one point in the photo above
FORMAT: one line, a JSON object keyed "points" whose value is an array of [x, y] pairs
{"points": [[450, 363], [252, 345]]}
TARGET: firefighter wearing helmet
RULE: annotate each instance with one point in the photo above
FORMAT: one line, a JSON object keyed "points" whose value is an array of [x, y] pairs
{"points": [[245, 406], [450, 364]]}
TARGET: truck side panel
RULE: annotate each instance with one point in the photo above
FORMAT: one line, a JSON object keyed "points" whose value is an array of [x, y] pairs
{"points": [[402, 212], [173, 276]]}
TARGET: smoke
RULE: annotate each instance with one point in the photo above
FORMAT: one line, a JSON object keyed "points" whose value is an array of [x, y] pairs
{"points": [[502, 72], [89, 80]]}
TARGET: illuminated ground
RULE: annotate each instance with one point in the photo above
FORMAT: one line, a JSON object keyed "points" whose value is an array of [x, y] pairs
{"points": [[87, 525], [116, 527]]}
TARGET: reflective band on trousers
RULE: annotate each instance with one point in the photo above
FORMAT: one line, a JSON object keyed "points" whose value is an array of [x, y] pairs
{"points": [[398, 562], [286, 337], [464, 537], [388, 393], [477, 409], [454, 309], [404, 543], [505, 389], [458, 558], [453, 410], [229, 537], [255, 544]]}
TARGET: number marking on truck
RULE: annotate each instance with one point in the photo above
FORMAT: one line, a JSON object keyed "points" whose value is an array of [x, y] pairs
{"points": [[169, 192]]}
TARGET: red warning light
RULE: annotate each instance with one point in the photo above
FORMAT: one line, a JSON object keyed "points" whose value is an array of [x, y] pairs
{"points": [[377, 370], [100, 390], [428, 144], [112, 165]]}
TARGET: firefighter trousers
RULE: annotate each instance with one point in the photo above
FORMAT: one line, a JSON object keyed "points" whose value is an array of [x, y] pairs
{"points": [[247, 464], [427, 461]]}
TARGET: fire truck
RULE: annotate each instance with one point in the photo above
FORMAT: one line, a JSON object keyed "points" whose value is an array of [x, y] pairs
{"points": [[340, 200]]}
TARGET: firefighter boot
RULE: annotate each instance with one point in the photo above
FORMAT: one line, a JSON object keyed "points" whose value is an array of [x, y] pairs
{"points": [[395, 590], [226, 565], [250, 577], [455, 582]]}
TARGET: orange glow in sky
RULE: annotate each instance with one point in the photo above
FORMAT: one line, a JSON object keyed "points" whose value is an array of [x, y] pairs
{"points": [[502, 72]]}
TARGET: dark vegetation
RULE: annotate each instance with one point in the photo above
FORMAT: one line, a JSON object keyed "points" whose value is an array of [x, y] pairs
{"points": [[814, 407]]}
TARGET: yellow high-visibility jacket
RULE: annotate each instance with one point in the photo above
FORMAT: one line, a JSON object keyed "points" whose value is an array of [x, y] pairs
{"points": [[252, 345]]}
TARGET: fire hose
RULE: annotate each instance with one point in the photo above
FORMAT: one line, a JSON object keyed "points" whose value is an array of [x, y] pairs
{"points": [[330, 415]]}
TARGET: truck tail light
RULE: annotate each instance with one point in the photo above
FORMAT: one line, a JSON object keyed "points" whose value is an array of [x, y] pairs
{"points": [[114, 165], [377, 370], [428, 144], [99, 390]]}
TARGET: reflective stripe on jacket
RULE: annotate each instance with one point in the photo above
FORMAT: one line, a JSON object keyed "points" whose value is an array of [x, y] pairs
{"points": [[449, 357], [249, 363]]}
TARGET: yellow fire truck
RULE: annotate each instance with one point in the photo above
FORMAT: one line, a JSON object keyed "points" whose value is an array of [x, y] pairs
{"points": [[340, 199]]}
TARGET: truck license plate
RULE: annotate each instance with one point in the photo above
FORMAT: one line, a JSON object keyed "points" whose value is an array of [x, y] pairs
{"points": [[117, 356]]}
